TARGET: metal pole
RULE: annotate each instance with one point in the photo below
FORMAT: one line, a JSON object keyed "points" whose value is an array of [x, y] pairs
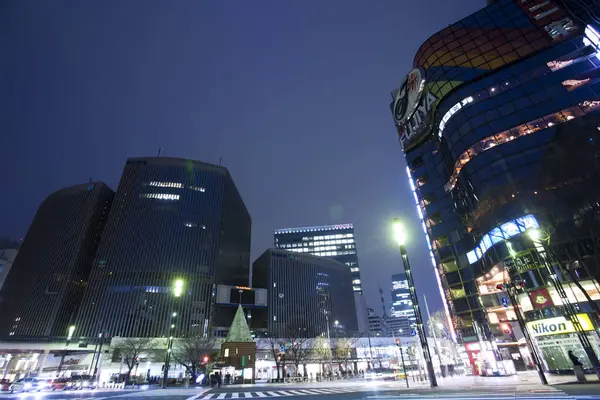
{"points": [[511, 290], [419, 318], [435, 341], [403, 366], [568, 307], [330, 346]]}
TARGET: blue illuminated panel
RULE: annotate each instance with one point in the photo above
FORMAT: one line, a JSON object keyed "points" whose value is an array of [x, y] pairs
{"points": [[501, 233]]}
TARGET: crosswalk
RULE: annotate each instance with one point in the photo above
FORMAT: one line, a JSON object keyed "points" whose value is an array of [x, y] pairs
{"points": [[273, 393]]}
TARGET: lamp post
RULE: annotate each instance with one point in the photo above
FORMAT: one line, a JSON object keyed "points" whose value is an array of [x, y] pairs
{"points": [[400, 236], [538, 238], [330, 346], [435, 341], [177, 290]]}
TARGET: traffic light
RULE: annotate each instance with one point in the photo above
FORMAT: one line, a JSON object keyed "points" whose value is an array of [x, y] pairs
{"points": [[500, 286], [205, 359], [398, 342], [521, 284]]}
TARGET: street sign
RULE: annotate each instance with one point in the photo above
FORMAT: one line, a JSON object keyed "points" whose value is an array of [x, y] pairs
{"points": [[504, 302], [413, 333]]}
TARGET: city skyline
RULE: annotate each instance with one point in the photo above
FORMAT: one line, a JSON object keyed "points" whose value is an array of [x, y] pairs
{"points": [[128, 93]]}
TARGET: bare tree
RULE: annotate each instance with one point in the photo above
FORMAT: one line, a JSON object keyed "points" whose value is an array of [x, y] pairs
{"points": [[344, 349], [274, 346], [298, 350], [321, 350], [130, 350], [190, 353]]}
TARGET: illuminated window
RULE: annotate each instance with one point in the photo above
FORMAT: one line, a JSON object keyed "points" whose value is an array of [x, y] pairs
{"points": [[354, 269], [528, 128], [503, 232], [356, 281], [356, 288], [166, 184], [197, 188], [572, 84], [160, 196]]}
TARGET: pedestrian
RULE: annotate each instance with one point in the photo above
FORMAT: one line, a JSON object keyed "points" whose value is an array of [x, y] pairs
{"points": [[218, 379]]}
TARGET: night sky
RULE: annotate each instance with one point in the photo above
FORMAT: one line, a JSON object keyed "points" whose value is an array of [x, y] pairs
{"points": [[293, 95]]}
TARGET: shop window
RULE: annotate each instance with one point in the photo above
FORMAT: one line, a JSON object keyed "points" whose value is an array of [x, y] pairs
{"points": [[435, 219], [422, 180], [457, 293]]}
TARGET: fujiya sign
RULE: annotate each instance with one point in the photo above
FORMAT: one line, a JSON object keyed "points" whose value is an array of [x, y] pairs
{"points": [[558, 326], [411, 108]]}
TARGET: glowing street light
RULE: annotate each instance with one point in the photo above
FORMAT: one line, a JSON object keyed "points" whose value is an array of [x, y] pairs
{"points": [[178, 288], [399, 232], [534, 234]]}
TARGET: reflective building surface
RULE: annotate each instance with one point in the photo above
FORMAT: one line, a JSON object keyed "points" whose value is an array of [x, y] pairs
{"points": [[498, 120], [43, 291], [401, 302], [305, 293], [334, 241], [177, 229]]}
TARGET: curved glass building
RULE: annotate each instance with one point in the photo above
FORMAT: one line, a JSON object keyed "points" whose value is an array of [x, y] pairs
{"points": [[177, 229], [499, 124]]}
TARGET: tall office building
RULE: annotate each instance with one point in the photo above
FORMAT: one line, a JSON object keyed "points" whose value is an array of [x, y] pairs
{"points": [[43, 291], [7, 258], [334, 241], [401, 303], [177, 229], [498, 122], [304, 292]]}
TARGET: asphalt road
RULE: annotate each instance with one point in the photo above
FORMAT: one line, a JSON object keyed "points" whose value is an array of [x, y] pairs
{"points": [[566, 392]]}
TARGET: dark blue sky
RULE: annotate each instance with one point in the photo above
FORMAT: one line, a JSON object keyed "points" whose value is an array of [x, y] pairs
{"points": [[293, 95]]}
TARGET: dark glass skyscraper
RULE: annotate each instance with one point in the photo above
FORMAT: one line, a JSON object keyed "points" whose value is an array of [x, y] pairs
{"points": [[177, 226], [43, 291], [334, 241], [303, 290], [498, 122]]}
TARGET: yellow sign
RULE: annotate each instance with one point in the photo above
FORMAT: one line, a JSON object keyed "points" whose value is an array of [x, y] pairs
{"points": [[558, 326]]}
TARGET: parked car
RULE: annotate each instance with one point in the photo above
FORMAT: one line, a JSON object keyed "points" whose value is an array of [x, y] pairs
{"points": [[26, 385], [4, 385]]}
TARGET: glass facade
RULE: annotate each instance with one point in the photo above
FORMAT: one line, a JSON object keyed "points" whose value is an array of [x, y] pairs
{"points": [[401, 302], [516, 100], [42, 293], [334, 241], [174, 221], [303, 290]]}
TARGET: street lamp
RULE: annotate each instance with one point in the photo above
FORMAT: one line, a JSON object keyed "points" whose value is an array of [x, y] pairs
{"points": [[177, 291], [400, 237]]}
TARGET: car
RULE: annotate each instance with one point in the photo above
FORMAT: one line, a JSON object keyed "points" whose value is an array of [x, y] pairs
{"points": [[88, 382], [4, 385], [59, 384], [379, 374], [26, 385]]}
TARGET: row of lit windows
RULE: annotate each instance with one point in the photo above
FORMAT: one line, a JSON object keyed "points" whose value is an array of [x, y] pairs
{"points": [[177, 185], [518, 131], [324, 253], [160, 196], [318, 243], [502, 87], [329, 237]]}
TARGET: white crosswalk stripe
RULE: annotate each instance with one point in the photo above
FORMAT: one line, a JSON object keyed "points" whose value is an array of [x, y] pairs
{"points": [[274, 393]]}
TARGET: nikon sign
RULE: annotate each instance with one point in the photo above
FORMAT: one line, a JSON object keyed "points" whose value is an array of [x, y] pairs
{"points": [[558, 326]]}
